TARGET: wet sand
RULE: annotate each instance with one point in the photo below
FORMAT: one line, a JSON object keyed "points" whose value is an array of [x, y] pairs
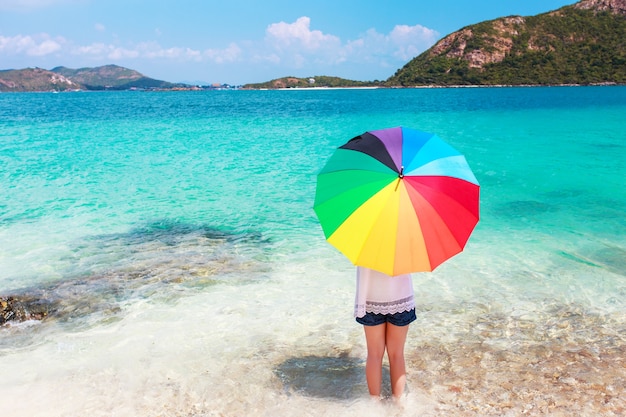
{"points": [[479, 381], [564, 363], [201, 357]]}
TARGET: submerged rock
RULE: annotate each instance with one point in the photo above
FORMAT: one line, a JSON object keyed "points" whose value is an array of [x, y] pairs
{"points": [[137, 265], [22, 308]]}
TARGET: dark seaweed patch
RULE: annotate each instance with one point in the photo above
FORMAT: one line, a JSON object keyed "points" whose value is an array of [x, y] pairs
{"points": [[526, 208], [137, 264]]}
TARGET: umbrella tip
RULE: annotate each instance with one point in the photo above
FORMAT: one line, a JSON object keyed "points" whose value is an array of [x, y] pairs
{"points": [[401, 174]]}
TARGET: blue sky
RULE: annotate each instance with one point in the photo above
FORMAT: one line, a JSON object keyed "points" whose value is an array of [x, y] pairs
{"points": [[239, 41]]}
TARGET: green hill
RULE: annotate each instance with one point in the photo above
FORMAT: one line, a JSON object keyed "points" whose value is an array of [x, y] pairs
{"points": [[580, 44], [108, 77], [35, 79], [320, 81]]}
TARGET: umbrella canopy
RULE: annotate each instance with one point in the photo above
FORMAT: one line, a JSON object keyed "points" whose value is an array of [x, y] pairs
{"points": [[397, 200]]}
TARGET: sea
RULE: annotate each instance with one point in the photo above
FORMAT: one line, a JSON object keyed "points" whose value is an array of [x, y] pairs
{"points": [[169, 243]]}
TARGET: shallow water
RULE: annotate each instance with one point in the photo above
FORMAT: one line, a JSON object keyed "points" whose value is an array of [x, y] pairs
{"points": [[173, 238]]}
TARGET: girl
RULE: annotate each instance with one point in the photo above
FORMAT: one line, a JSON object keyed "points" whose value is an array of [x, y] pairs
{"points": [[385, 306]]}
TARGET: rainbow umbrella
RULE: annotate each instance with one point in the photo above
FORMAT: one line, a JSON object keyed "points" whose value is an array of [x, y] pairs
{"points": [[397, 200]]}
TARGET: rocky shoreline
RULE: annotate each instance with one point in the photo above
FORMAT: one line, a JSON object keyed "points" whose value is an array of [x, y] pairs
{"points": [[22, 308]]}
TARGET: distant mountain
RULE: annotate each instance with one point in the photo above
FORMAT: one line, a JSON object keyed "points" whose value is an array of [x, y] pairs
{"points": [[320, 81], [108, 77], [580, 44], [35, 79]]}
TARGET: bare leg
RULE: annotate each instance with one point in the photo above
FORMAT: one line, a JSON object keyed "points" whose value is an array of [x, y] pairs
{"points": [[395, 339], [375, 338]]}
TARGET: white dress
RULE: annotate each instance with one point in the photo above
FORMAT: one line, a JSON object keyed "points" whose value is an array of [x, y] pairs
{"points": [[382, 294]]}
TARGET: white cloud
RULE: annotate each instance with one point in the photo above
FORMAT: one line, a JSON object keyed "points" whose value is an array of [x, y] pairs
{"points": [[116, 53], [95, 49], [297, 45], [285, 47], [409, 41], [153, 50], [99, 51], [220, 56], [300, 35], [402, 44], [46, 47], [36, 45], [171, 53], [262, 57]]}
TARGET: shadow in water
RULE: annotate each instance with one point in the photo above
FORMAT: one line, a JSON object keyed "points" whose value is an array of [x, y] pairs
{"points": [[170, 232], [611, 258], [337, 378], [525, 208]]}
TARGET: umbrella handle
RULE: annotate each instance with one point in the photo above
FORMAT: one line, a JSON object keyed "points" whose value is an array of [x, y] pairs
{"points": [[400, 176]]}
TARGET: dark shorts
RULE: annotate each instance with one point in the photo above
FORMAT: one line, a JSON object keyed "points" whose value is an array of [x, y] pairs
{"points": [[397, 319]]}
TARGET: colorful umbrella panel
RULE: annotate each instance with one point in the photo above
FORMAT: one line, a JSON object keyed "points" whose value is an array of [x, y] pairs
{"points": [[397, 200]]}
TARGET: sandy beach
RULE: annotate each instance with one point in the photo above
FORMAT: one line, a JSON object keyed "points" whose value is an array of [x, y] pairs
{"points": [[230, 352]]}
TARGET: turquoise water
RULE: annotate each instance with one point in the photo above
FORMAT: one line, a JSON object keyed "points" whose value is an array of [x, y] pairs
{"points": [[125, 206]]}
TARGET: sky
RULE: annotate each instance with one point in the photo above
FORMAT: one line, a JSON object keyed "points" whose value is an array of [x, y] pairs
{"points": [[239, 41]]}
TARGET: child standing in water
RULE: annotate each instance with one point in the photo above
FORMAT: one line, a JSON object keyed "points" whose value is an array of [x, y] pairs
{"points": [[385, 306]]}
